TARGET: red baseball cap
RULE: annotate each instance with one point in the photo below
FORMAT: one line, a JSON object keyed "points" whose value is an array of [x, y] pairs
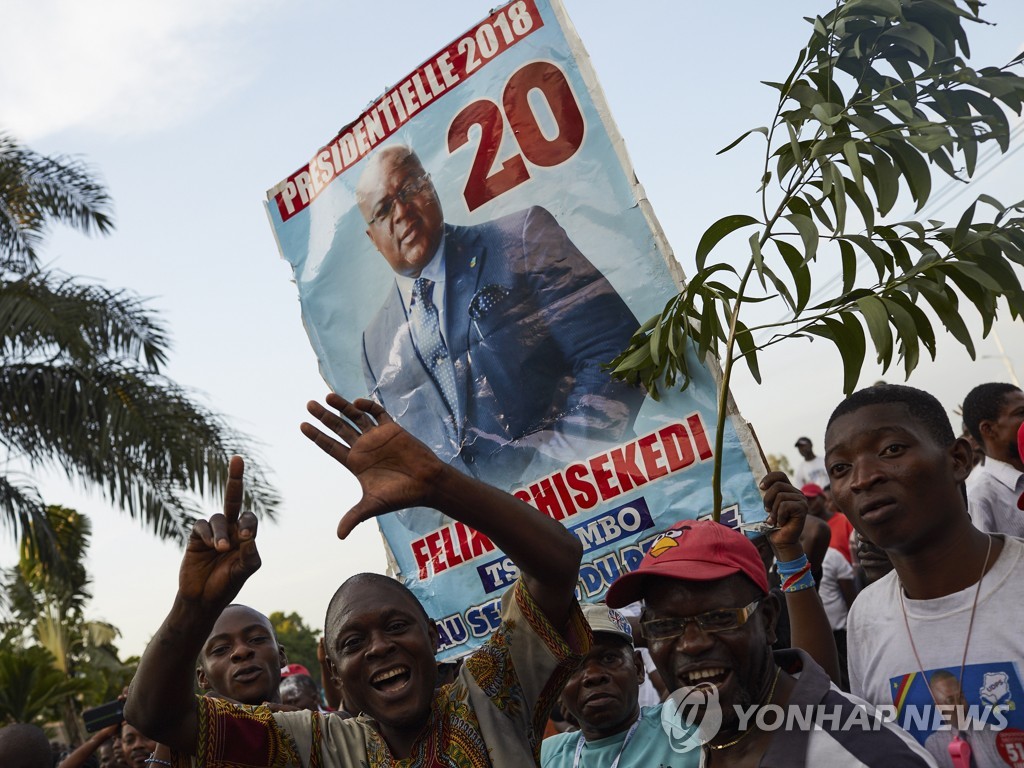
{"points": [[294, 669], [692, 550], [811, 490]]}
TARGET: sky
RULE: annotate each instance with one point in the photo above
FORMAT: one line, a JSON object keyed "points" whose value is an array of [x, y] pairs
{"points": [[190, 111]]}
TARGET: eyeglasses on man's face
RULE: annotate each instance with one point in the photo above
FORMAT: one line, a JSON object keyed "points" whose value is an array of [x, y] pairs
{"points": [[386, 208], [721, 620]]}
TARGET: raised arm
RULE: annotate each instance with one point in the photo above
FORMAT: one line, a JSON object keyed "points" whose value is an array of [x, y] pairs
{"points": [[808, 624], [220, 555], [81, 755], [397, 471]]}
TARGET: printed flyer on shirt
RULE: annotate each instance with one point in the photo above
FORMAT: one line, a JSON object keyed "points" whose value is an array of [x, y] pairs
{"points": [[983, 709]]}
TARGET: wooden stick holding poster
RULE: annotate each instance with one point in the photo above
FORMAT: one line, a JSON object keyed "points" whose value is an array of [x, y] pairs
{"points": [[472, 251]]}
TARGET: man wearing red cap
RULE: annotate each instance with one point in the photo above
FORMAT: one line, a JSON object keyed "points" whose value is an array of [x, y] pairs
{"points": [[709, 621], [299, 690], [840, 529]]}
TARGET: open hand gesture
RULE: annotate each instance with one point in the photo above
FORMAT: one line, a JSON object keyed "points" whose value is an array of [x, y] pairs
{"points": [[395, 469], [221, 552], [787, 509]]}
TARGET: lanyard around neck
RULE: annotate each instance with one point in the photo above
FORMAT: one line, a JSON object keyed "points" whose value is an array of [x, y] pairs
{"points": [[581, 742]]}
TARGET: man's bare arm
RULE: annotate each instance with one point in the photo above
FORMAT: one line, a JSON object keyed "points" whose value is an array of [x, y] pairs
{"points": [[81, 755], [808, 622], [220, 555], [396, 471]]}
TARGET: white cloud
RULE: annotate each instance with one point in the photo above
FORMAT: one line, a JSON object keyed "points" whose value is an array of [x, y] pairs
{"points": [[117, 66]]}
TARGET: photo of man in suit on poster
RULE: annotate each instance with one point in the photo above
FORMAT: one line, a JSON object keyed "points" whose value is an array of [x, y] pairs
{"points": [[492, 338]]}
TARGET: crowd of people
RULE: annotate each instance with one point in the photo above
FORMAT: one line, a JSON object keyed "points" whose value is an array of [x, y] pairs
{"points": [[885, 584]]}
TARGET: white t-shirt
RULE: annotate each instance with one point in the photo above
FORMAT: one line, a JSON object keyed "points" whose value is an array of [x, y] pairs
{"points": [[884, 671], [811, 471], [833, 569]]}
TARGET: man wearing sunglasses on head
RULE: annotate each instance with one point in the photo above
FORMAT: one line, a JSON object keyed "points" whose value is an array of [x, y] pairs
{"points": [[492, 334], [709, 623]]}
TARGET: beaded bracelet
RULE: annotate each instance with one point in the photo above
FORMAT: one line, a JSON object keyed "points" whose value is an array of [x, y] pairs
{"points": [[154, 759], [796, 574]]}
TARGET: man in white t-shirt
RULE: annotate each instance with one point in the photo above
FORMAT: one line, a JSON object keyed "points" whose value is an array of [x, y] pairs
{"points": [[837, 591], [812, 468], [993, 414], [952, 602]]}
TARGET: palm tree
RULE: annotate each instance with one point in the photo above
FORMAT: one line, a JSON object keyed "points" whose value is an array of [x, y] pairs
{"points": [[80, 381], [36, 191], [46, 610], [31, 689], [80, 377]]}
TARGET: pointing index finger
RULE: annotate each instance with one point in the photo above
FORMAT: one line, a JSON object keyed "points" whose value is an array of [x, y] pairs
{"points": [[234, 490]]}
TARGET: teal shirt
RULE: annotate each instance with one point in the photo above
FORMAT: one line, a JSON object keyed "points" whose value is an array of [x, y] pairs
{"points": [[650, 747]]}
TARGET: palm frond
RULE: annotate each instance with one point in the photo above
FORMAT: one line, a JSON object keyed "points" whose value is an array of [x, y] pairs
{"points": [[36, 190], [22, 512], [132, 433], [31, 689], [43, 316], [65, 580]]}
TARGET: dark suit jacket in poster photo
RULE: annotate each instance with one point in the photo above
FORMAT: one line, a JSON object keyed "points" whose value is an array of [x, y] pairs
{"points": [[529, 324]]}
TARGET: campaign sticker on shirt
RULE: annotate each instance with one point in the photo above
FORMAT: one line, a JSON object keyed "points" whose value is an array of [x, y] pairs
{"points": [[1011, 747], [984, 710]]}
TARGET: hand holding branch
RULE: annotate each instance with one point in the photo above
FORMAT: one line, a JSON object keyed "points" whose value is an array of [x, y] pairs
{"points": [[809, 625], [787, 509]]}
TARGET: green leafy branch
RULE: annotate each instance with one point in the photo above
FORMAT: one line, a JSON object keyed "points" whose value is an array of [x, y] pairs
{"points": [[834, 166]]}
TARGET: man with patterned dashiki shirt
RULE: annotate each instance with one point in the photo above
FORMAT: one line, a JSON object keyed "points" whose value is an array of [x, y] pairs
{"points": [[380, 643]]}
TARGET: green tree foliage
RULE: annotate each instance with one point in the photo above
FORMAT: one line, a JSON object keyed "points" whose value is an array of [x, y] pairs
{"points": [[779, 462], [47, 604], [879, 101], [80, 374], [299, 641], [36, 191], [32, 689]]}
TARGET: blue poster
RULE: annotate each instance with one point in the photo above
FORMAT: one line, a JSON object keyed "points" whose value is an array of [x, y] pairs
{"points": [[471, 252]]}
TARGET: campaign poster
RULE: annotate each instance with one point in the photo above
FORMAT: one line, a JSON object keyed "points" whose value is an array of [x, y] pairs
{"points": [[471, 252], [982, 705]]}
